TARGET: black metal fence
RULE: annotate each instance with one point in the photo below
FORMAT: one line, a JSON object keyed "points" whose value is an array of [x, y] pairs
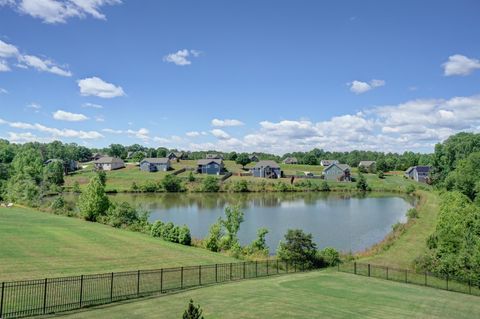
{"points": [[51, 295], [428, 279]]}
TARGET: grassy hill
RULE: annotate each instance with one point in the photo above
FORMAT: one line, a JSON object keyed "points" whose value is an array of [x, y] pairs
{"points": [[322, 294], [38, 245]]}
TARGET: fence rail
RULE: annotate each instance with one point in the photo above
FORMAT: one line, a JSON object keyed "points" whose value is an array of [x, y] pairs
{"points": [[51, 295], [427, 279]]}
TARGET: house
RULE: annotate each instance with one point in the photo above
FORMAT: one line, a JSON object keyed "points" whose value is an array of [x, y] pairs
{"points": [[212, 166], [96, 156], [161, 164], [266, 169], [177, 156], [214, 156], [370, 166], [337, 172], [290, 160], [418, 173], [326, 163], [253, 158], [108, 163]]}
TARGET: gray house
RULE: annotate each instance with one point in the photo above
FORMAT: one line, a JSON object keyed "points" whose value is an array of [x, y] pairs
{"points": [[267, 169], [370, 166], [337, 172], [290, 160], [161, 164], [326, 163], [176, 156], [210, 166], [108, 163], [418, 173]]}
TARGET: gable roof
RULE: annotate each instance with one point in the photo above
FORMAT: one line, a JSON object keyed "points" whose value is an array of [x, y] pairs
{"points": [[366, 163], [267, 163], [108, 160], [290, 159], [208, 161], [156, 160], [343, 167], [422, 169]]}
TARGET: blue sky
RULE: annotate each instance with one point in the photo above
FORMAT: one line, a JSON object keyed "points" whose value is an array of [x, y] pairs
{"points": [[272, 76]]}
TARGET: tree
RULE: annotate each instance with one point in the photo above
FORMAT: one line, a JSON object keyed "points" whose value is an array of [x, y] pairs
{"points": [[138, 156], [171, 183], [362, 183], [122, 215], [329, 256], [103, 177], [210, 184], [466, 177], [117, 150], [381, 174], [240, 186], [93, 202], [161, 152], [260, 243], [310, 159], [231, 223], [76, 187], [191, 177], [192, 312], [215, 234], [53, 173], [242, 159], [184, 236], [298, 248]]}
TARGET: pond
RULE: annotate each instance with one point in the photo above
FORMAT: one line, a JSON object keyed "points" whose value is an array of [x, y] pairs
{"points": [[344, 221]]}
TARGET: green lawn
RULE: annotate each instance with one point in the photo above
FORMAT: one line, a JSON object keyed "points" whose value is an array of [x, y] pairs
{"points": [[321, 294], [37, 245]]}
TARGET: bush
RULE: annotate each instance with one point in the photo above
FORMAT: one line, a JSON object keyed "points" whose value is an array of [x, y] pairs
{"points": [[58, 203], [259, 245], [362, 183], [149, 187], [103, 177], [122, 215], [184, 236], [210, 184], [324, 187], [240, 186], [281, 187], [381, 174], [171, 183], [157, 229], [215, 234], [93, 203], [412, 213], [192, 312], [134, 187], [329, 257], [191, 178], [410, 189], [298, 248], [76, 187]]}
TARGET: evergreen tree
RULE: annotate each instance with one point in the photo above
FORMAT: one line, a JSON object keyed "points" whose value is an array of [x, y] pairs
{"points": [[193, 312], [93, 202]]}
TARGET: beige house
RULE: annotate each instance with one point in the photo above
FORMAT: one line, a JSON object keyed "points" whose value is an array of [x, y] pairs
{"points": [[108, 163]]}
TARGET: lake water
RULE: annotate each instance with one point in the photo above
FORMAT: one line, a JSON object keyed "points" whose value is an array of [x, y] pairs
{"points": [[345, 222]]}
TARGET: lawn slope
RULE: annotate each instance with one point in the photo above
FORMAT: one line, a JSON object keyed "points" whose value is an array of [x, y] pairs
{"points": [[37, 245], [322, 294]]}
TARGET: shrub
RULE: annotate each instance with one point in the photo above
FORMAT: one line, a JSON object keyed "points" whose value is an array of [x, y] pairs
{"points": [[58, 203], [191, 178], [381, 174], [171, 183], [134, 187], [412, 213], [215, 234], [324, 187], [362, 183], [234, 217], [281, 187], [157, 229], [298, 248], [93, 202], [184, 236], [76, 187], [121, 215], [259, 245], [210, 184], [103, 177], [410, 188], [149, 187], [329, 257], [192, 312], [240, 186]]}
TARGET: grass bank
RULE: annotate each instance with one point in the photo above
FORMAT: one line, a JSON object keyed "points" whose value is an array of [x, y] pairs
{"points": [[34, 244], [321, 294]]}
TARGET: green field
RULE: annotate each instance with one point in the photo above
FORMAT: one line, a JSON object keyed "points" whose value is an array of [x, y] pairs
{"points": [[320, 294], [38, 245]]}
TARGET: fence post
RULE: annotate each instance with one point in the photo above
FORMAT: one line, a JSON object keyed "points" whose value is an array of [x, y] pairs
{"points": [[81, 293], [469, 291], [231, 271], [256, 268], [138, 282], [161, 281], [267, 266], [1, 299], [294, 267], [111, 288], [425, 278], [406, 275], [45, 297], [286, 266], [200, 275], [447, 281], [277, 266], [216, 272], [368, 270], [181, 278], [387, 273], [355, 267], [243, 270]]}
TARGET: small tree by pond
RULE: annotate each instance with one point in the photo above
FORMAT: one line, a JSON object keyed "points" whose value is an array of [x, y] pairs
{"points": [[93, 202], [171, 183], [210, 184], [362, 183], [215, 234], [298, 248], [234, 217]]}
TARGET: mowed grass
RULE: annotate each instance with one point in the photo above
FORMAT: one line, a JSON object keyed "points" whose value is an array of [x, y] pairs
{"points": [[37, 245], [321, 294], [412, 243]]}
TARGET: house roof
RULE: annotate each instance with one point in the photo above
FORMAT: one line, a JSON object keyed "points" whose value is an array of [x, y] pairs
{"points": [[267, 163], [208, 161], [422, 169], [156, 160], [290, 159], [366, 163], [213, 156], [328, 162], [108, 160], [343, 167]]}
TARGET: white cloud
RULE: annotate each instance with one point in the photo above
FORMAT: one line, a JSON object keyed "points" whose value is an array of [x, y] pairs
{"points": [[92, 105], [43, 65], [34, 106], [460, 65], [95, 86], [4, 66], [359, 87], [3, 91], [112, 131], [181, 57], [68, 116], [59, 11], [54, 133], [226, 122], [27, 137], [7, 50], [192, 134], [142, 133], [99, 119], [220, 134]]}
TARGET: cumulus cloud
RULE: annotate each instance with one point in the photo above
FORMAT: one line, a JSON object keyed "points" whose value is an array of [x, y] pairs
{"points": [[220, 134], [53, 133], [95, 86], [226, 122], [192, 134], [460, 65], [181, 57], [3, 91], [4, 66], [359, 87], [141, 133], [59, 11], [68, 116], [92, 105], [7, 50]]}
